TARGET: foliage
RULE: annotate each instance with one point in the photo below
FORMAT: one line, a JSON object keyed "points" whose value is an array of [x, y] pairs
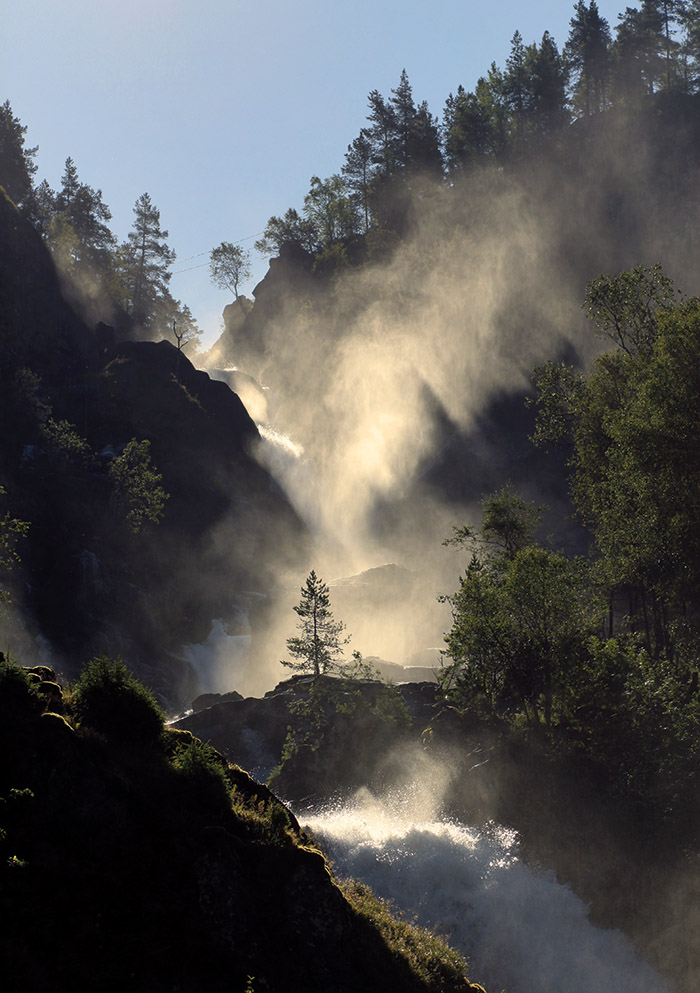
{"points": [[520, 615], [66, 447], [638, 719], [144, 262], [319, 647], [229, 265], [11, 530], [588, 54], [17, 164], [19, 696], [108, 698], [626, 307], [291, 229], [508, 524], [137, 488], [171, 317], [81, 210], [631, 701], [202, 771], [633, 423]]}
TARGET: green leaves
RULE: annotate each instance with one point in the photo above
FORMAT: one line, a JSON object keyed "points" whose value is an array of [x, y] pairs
{"points": [[11, 530], [229, 265], [137, 489], [625, 307], [520, 616]]}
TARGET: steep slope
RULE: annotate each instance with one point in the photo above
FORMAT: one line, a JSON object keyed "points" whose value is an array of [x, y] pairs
{"points": [[136, 857], [71, 400]]}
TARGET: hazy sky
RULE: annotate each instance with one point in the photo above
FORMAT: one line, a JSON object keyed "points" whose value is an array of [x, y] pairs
{"points": [[222, 110]]}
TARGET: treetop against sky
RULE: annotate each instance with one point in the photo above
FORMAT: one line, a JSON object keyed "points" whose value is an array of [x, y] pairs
{"points": [[223, 112]]}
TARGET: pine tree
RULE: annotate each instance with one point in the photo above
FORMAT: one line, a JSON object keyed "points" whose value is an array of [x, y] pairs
{"points": [[319, 647], [83, 209], [588, 58], [16, 162], [382, 134], [515, 85], [146, 258], [639, 48], [691, 44], [358, 173], [548, 87]]}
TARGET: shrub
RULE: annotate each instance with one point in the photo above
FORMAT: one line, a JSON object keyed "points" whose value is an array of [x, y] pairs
{"points": [[19, 696], [203, 772], [108, 698]]}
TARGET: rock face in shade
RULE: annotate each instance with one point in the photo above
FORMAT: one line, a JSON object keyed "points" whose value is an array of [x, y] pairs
{"points": [[87, 584]]}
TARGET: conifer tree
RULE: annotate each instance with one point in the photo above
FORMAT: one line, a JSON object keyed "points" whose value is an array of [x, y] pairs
{"points": [[515, 85], [146, 259], [358, 173], [17, 164], [319, 647], [588, 57], [548, 87], [640, 45], [83, 209]]}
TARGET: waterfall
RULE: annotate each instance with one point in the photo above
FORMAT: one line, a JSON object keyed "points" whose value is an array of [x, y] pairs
{"points": [[519, 928], [219, 662]]}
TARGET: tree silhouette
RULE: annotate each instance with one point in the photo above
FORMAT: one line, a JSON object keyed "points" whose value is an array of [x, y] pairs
{"points": [[319, 647]]}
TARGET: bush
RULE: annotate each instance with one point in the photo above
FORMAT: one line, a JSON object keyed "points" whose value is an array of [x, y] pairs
{"points": [[202, 771], [108, 698], [19, 697]]}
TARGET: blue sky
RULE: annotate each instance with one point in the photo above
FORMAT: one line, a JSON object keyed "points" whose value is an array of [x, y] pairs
{"points": [[222, 110]]}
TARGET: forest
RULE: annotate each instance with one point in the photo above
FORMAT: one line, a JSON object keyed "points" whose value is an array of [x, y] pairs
{"points": [[505, 296]]}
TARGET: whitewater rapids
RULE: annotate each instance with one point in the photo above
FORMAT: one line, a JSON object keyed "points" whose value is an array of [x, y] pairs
{"points": [[519, 928]]}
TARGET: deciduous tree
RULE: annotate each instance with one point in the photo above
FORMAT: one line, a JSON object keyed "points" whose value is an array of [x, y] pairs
{"points": [[137, 486], [520, 615], [229, 266]]}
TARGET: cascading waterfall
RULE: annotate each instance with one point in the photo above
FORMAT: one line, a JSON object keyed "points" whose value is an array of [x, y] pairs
{"points": [[520, 929]]}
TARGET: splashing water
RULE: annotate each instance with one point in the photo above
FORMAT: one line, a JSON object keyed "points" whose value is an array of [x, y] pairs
{"points": [[520, 929], [280, 441]]}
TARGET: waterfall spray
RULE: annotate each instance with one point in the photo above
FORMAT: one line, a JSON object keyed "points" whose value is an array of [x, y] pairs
{"points": [[519, 928]]}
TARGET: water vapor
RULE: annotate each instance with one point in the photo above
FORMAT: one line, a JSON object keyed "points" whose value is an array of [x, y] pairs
{"points": [[393, 391]]}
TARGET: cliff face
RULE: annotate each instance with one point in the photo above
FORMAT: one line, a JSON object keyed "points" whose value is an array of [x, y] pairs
{"points": [[86, 583]]}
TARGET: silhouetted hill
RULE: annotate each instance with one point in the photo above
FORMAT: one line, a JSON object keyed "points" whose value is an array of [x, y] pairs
{"points": [[87, 583], [134, 856]]}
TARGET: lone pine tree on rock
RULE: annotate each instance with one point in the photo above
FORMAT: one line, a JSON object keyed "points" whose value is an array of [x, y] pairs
{"points": [[319, 647]]}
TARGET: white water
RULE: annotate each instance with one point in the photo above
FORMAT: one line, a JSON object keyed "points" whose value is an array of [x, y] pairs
{"points": [[219, 662], [520, 929]]}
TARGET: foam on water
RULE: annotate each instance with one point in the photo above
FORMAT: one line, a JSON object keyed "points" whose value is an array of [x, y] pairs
{"points": [[520, 929]]}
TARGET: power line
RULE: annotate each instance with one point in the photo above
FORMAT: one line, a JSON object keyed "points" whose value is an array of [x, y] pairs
{"points": [[202, 265], [178, 261], [200, 254]]}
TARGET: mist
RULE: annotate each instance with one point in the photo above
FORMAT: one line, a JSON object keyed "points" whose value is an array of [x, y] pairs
{"points": [[395, 375]]}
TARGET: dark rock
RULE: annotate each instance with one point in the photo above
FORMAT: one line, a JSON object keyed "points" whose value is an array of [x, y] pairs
{"points": [[205, 700]]}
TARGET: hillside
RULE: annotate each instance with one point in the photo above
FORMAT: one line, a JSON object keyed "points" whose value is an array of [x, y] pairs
{"points": [[72, 399], [134, 855]]}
